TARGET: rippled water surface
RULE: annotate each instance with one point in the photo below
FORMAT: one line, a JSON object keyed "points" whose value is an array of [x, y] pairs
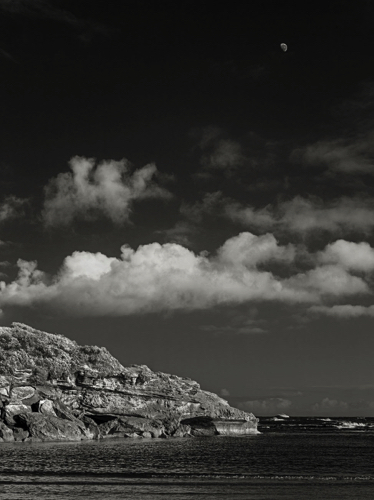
{"points": [[289, 460]]}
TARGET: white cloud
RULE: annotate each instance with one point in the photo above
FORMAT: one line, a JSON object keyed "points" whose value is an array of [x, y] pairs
{"points": [[330, 405], [349, 156], [329, 280], [106, 189], [170, 277], [268, 406], [344, 311], [153, 278], [354, 256], [263, 218], [88, 265], [250, 250], [12, 207], [304, 215]]}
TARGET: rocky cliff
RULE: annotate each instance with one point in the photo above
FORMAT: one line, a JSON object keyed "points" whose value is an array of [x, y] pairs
{"points": [[53, 389]]}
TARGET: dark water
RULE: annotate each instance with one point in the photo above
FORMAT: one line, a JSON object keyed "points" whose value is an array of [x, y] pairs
{"points": [[292, 459]]}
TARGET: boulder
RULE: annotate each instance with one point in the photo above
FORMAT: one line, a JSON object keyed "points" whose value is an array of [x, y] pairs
{"points": [[6, 434], [108, 427], [35, 398], [48, 427], [62, 411], [20, 434], [182, 431], [4, 386], [138, 425], [11, 410], [46, 407], [92, 429], [4, 391], [132, 435], [46, 391], [18, 394], [4, 381]]}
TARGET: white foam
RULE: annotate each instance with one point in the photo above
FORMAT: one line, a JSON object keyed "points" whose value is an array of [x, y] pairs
{"points": [[350, 425]]}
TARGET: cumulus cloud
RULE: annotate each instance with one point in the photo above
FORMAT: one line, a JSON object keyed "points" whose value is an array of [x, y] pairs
{"points": [[354, 256], [329, 280], [153, 278], [170, 277], [91, 190], [251, 250], [269, 406]]}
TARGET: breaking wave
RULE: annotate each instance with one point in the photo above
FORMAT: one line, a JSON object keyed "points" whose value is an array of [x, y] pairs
{"points": [[320, 424]]}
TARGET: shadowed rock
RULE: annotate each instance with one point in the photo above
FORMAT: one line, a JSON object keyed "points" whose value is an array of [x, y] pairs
{"points": [[48, 428], [11, 410]]}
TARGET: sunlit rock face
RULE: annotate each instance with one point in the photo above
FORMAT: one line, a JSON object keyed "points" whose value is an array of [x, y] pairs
{"points": [[53, 389]]}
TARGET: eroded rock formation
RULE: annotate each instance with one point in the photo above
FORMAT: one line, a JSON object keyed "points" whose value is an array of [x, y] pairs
{"points": [[52, 389]]}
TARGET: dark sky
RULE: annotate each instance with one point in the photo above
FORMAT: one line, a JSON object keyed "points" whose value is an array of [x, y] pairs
{"points": [[177, 188]]}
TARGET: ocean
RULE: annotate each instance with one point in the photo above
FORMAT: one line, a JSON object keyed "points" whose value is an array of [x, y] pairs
{"points": [[292, 458]]}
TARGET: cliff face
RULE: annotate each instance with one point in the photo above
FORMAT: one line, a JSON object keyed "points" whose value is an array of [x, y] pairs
{"points": [[53, 389]]}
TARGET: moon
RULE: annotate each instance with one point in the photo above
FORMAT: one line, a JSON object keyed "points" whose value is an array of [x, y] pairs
{"points": [[284, 47]]}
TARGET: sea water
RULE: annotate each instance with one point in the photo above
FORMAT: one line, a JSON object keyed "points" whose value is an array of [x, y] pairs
{"points": [[293, 459]]}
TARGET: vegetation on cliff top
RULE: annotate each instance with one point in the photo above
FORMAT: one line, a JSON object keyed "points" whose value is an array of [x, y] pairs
{"points": [[50, 356]]}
